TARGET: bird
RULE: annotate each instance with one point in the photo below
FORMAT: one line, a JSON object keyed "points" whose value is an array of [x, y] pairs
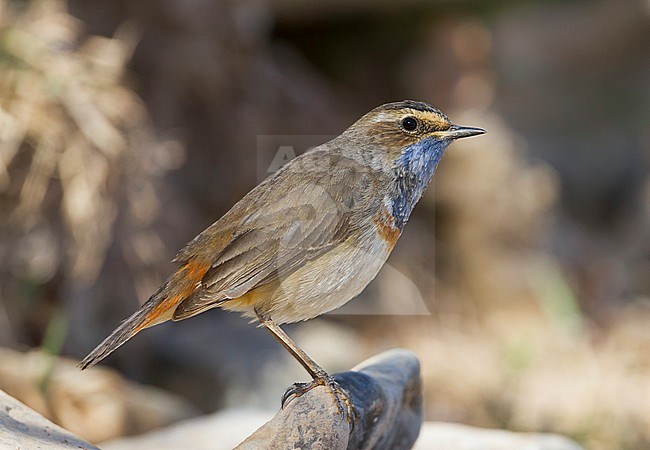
{"points": [[310, 237]]}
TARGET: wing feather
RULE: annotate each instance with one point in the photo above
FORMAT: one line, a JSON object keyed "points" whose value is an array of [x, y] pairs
{"points": [[297, 224]]}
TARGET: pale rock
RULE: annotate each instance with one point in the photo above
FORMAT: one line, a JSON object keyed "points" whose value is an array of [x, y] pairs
{"points": [[96, 404], [22, 428]]}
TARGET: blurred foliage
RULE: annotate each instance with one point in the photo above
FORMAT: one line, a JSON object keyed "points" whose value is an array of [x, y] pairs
{"points": [[126, 127], [69, 133]]}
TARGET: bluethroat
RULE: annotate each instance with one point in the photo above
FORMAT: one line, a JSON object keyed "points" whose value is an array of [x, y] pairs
{"points": [[311, 236]]}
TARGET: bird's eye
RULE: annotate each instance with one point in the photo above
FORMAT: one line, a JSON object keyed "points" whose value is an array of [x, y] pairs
{"points": [[409, 123]]}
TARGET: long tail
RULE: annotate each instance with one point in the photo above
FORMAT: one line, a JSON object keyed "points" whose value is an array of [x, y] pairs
{"points": [[159, 308]]}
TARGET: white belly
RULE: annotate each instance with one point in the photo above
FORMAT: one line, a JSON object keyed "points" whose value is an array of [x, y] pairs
{"points": [[328, 282]]}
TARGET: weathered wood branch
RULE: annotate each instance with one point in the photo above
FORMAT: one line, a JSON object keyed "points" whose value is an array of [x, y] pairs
{"points": [[387, 393]]}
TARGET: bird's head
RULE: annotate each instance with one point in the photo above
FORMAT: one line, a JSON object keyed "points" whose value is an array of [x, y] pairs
{"points": [[407, 138], [402, 127]]}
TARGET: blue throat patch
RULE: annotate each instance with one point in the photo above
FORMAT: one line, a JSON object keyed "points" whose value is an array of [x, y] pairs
{"points": [[414, 169]]}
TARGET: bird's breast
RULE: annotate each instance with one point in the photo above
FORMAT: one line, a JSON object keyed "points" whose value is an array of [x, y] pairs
{"points": [[334, 278]]}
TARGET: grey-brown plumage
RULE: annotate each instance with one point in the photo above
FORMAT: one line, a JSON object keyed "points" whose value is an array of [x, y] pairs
{"points": [[310, 237]]}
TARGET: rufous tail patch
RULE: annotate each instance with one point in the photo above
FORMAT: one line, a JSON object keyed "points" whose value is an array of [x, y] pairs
{"points": [[178, 288]]}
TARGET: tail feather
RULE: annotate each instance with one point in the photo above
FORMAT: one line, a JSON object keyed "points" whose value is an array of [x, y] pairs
{"points": [[127, 329], [159, 308]]}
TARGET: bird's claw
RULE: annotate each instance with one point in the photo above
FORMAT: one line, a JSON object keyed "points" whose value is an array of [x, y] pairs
{"points": [[341, 397], [296, 390]]}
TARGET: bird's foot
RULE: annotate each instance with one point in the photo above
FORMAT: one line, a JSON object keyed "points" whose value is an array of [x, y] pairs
{"points": [[341, 397]]}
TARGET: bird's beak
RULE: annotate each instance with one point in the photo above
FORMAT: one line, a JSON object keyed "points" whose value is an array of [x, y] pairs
{"points": [[457, 132]]}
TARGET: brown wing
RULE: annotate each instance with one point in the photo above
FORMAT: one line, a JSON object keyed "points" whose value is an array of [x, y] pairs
{"points": [[295, 217]]}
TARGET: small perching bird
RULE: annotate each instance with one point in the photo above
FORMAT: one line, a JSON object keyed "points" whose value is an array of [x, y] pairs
{"points": [[311, 236]]}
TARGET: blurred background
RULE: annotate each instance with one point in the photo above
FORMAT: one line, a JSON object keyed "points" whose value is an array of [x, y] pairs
{"points": [[127, 127]]}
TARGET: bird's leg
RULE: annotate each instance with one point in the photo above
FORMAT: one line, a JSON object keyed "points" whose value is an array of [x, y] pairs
{"points": [[303, 358], [320, 377]]}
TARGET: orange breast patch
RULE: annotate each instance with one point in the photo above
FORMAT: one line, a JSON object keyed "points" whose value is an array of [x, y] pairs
{"points": [[386, 228]]}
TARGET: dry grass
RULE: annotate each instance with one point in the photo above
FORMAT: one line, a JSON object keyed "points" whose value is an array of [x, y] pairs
{"points": [[75, 142], [78, 163]]}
